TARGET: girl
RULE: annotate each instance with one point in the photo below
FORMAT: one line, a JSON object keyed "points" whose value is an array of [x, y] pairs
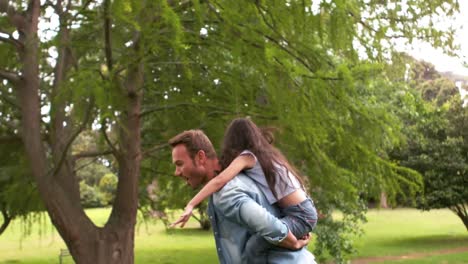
{"points": [[246, 149]]}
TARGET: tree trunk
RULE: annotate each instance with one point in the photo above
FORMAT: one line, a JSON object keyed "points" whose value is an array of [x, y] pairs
{"points": [[105, 246], [383, 200], [461, 212], [6, 221]]}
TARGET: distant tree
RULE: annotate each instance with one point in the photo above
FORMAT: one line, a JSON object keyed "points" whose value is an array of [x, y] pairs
{"points": [[437, 144], [91, 170], [443, 160], [90, 197]]}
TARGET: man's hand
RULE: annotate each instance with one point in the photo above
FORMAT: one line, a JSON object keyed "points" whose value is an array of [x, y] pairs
{"points": [[184, 217], [291, 242]]}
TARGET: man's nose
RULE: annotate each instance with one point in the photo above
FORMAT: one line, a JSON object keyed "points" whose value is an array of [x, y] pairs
{"points": [[177, 172]]}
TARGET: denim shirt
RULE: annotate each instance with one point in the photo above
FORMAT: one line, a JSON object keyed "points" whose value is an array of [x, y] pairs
{"points": [[239, 210]]}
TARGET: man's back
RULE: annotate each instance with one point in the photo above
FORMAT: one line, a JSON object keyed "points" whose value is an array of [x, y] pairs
{"points": [[240, 210]]}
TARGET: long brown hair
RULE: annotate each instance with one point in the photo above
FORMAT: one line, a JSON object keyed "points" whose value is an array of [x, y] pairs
{"points": [[242, 134]]}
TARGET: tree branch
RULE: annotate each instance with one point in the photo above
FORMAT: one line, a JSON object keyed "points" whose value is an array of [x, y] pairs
{"points": [[106, 138], [91, 154], [82, 8], [10, 101], [160, 108], [73, 137], [15, 18], [107, 35], [152, 170], [10, 40], [299, 57], [10, 139], [10, 76], [153, 149], [6, 221], [292, 51], [85, 165]]}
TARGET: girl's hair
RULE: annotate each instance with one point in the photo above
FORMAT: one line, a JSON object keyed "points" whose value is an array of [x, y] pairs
{"points": [[242, 134]]}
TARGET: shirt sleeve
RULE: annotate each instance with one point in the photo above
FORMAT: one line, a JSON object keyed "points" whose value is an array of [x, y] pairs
{"points": [[248, 152], [237, 205]]}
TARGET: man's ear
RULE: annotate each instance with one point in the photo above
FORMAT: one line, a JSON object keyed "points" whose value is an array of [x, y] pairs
{"points": [[201, 157]]}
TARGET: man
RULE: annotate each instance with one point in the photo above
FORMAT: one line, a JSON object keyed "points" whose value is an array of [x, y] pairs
{"points": [[239, 210]]}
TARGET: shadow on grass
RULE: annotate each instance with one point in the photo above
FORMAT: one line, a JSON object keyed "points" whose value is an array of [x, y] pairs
{"points": [[172, 256], [188, 232], [428, 242]]}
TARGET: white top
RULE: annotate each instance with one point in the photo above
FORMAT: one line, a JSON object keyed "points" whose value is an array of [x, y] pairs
{"points": [[285, 184]]}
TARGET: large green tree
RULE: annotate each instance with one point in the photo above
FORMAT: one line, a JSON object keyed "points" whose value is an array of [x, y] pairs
{"points": [[437, 137], [141, 71], [41, 73]]}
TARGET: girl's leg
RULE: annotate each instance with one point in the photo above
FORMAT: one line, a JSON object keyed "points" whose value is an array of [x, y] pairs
{"points": [[300, 218]]}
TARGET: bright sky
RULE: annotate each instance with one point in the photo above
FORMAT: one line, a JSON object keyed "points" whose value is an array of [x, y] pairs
{"points": [[442, 62]]}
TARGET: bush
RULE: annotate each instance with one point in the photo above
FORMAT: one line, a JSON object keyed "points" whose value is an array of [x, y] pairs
{"points": [[108, 187], [89, 196]]}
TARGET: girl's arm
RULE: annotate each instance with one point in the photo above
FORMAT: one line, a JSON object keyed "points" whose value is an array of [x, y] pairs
{"points": [[291, 242], [240, 163]]}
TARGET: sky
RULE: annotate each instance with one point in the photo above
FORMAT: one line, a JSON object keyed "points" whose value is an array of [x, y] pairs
{"points": [[441, 61]]}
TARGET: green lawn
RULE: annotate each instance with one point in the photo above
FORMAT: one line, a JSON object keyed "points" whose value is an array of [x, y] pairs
{"points": [[402, 231], [388, 233]]}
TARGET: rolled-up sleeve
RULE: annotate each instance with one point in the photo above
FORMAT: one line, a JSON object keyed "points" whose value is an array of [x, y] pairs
{"points": [[237, 205]]}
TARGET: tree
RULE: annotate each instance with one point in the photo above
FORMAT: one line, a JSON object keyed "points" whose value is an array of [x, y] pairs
{"points": [[437, 141], [198, 64], [47, 145]]}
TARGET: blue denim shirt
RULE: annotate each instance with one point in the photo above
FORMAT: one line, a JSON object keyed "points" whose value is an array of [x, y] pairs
{"points": [[240, 210]]}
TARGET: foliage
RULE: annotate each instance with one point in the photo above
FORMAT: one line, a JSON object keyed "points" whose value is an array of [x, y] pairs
{"points": [[444, 161], [108, 187], [100, 195], [90, 196], [18, 196], [302, 73], [437, 141]]}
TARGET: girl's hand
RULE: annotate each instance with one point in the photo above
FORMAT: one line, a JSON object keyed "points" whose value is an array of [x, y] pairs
{"points": [[184, 217], [292, 243]]}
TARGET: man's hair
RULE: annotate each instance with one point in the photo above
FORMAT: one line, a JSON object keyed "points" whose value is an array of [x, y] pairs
{"points": [[194, 140]]}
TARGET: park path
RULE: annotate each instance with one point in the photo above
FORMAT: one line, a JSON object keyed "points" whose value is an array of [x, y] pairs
{"points": [[369, 260]]}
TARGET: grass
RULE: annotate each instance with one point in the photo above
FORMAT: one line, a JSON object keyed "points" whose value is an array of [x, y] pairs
{"points": [[153, 243], [407, 232], [442, 259], [388, 233]]}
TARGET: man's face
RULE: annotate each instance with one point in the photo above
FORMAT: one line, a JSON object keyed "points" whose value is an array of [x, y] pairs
{"points": [[189, 169]]}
